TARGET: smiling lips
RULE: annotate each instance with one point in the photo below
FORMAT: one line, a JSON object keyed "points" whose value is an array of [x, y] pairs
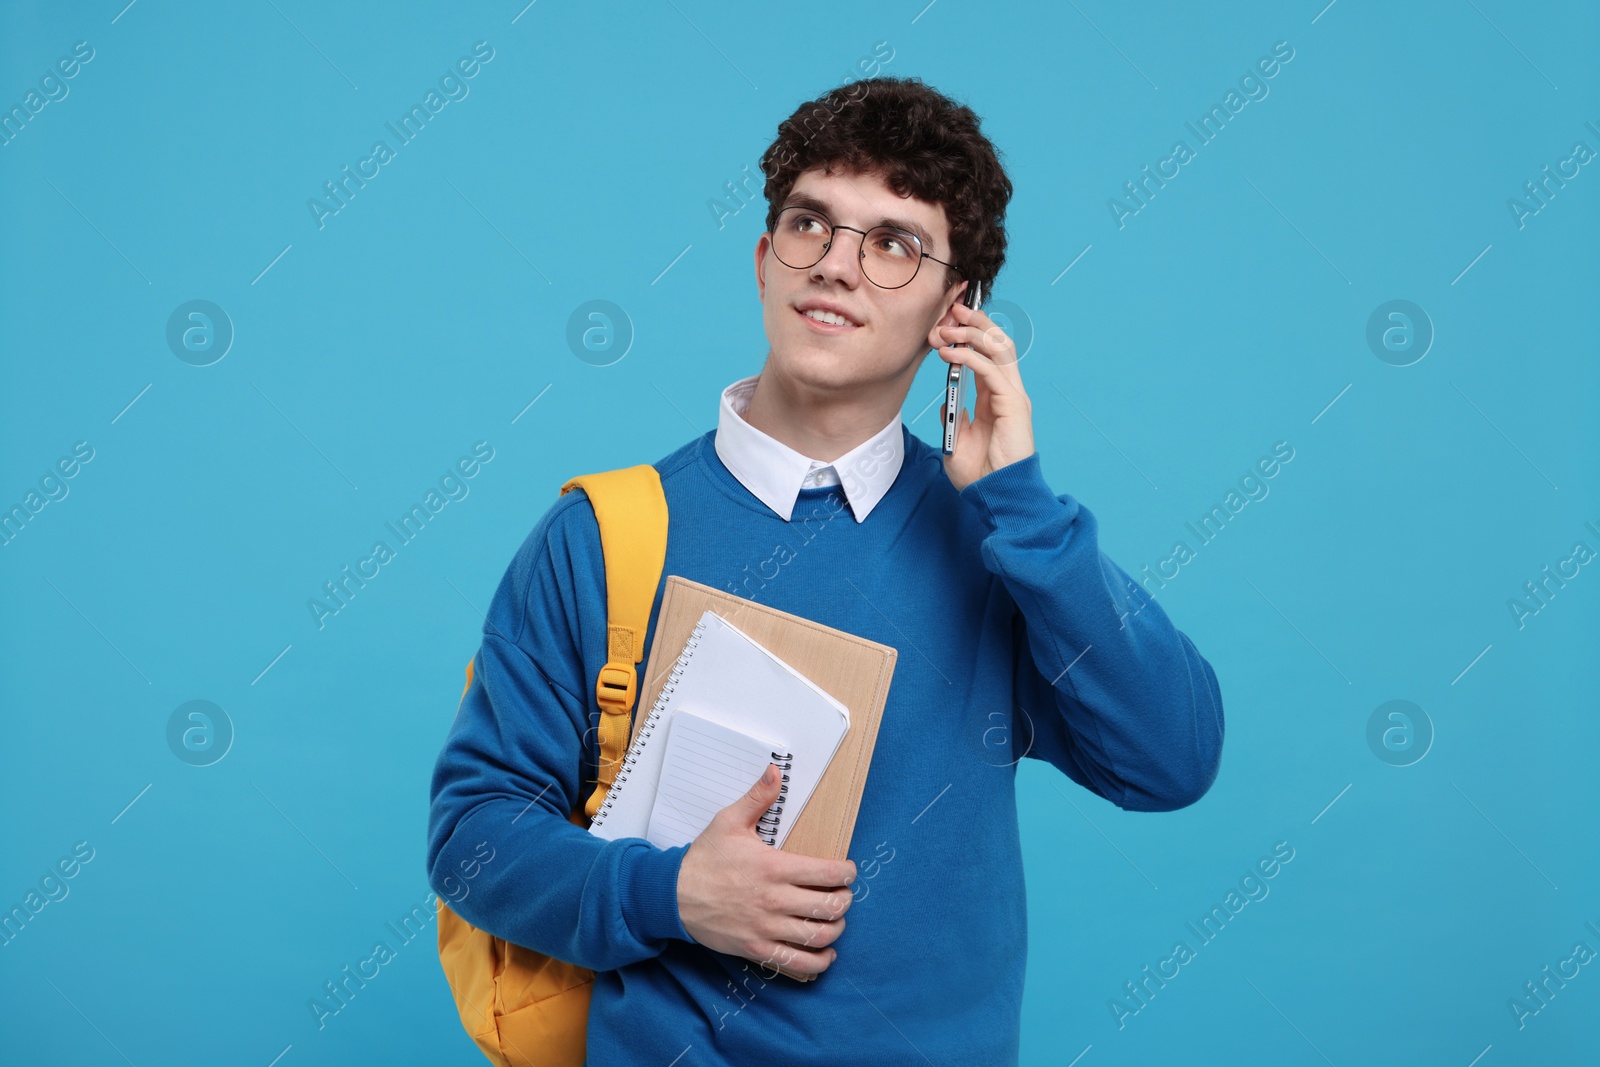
{"points": [[825, 321]]}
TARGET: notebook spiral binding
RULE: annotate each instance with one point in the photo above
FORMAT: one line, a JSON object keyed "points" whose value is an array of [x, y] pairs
{"points": [[767, 825], [652, 721]]}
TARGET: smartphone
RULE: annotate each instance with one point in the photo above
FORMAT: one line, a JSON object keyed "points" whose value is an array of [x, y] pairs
{"points": [[959, 379]]}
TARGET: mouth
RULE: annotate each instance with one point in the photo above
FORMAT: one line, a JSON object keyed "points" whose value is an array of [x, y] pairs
{"points": [[824, 321]]}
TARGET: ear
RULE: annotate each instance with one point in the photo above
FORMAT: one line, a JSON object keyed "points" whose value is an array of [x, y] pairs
{"points": [[763, 246], [935, 339]]}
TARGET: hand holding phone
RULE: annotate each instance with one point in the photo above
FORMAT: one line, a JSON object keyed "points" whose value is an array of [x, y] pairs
{"points": [[957, 383]]}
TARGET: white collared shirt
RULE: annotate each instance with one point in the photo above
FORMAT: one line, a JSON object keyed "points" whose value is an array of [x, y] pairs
{"points": [[776, 473]]}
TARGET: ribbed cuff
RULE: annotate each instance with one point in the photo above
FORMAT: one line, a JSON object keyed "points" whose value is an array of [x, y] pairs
{"points": [[1014, 495], [649, 877]]}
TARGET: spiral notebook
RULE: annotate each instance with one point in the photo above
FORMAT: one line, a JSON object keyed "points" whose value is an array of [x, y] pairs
{"points": [[708, 766], [728, 707]]}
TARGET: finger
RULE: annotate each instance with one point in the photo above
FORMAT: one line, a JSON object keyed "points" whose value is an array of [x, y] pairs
{"points": [[810, 925], [996, 379], [992, 341], [984, 344], [973, 318], [813, 934], [813, 872], [801, 960], [822, 905], [748, 809], [780, 906], [991, 375]]}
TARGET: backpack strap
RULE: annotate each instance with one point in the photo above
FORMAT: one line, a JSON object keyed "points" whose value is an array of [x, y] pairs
{"points": [[632, 511]]}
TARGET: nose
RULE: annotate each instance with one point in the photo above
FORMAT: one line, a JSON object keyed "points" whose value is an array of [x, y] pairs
{"points": [[842, 261]]}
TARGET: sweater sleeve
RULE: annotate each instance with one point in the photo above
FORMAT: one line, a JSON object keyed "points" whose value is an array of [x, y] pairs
{"points": [[1118, 698], [520, 757]]}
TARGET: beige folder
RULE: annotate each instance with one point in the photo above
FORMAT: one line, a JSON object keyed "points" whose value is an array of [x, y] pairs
{"points": [[852, 670]]}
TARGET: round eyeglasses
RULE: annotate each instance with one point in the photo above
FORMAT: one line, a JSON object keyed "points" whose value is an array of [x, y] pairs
{"points": [[890, 257]]}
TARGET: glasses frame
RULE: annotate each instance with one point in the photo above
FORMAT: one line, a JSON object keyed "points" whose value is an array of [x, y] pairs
{"points": [[861, 246]]}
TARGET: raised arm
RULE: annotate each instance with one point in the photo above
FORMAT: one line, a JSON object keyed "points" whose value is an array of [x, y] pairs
{"points": [[1118, 698]]}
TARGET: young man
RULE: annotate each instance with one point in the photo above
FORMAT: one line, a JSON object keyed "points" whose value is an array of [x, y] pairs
{"points": [[1017, 637]]}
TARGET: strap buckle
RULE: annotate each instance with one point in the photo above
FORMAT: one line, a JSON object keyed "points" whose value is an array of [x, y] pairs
{"points": [[616, 688]]}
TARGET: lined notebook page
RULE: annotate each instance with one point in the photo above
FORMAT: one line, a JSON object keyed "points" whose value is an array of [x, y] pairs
{"points": [[707, 767], [741, 685]]}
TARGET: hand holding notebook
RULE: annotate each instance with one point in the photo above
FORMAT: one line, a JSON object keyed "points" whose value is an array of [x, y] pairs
{"points": [[744, 698]]}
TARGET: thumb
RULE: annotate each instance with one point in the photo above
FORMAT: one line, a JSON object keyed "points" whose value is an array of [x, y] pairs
{"points": [[748, 809]]}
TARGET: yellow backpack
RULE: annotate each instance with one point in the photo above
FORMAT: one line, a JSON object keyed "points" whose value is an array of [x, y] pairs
{"points": [[523, 1007]]}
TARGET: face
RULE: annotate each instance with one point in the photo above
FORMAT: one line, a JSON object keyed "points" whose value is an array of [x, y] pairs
{"points": [[889, 331]]}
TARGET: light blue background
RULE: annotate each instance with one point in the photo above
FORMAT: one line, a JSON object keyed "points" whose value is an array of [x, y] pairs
{"points": [[1227, 315]]}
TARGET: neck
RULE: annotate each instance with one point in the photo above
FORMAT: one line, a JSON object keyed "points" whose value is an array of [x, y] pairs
{"points": [[823, 423]]}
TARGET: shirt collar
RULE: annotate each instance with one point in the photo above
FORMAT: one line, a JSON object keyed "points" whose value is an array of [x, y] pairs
{"points": [[775, 473]]}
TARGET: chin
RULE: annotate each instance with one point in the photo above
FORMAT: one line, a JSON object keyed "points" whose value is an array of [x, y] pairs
{"points": [[816, 365], [822, 366]]}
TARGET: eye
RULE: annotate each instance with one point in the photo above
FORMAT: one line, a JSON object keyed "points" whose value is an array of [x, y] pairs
{"points": [[896, 245], [808, 224]]}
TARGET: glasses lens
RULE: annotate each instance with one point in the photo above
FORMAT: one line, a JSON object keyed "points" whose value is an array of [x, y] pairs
{"points": [[800, 238], [891, 257]]}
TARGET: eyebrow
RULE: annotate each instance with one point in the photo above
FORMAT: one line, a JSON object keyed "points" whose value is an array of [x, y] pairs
{"points": [[811, 203]]}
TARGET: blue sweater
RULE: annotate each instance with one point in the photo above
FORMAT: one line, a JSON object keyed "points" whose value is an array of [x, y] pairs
{"points": [[1017, 637]]}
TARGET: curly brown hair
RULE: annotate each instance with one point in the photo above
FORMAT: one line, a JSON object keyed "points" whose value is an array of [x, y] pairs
{"points": [[925, 145]]}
